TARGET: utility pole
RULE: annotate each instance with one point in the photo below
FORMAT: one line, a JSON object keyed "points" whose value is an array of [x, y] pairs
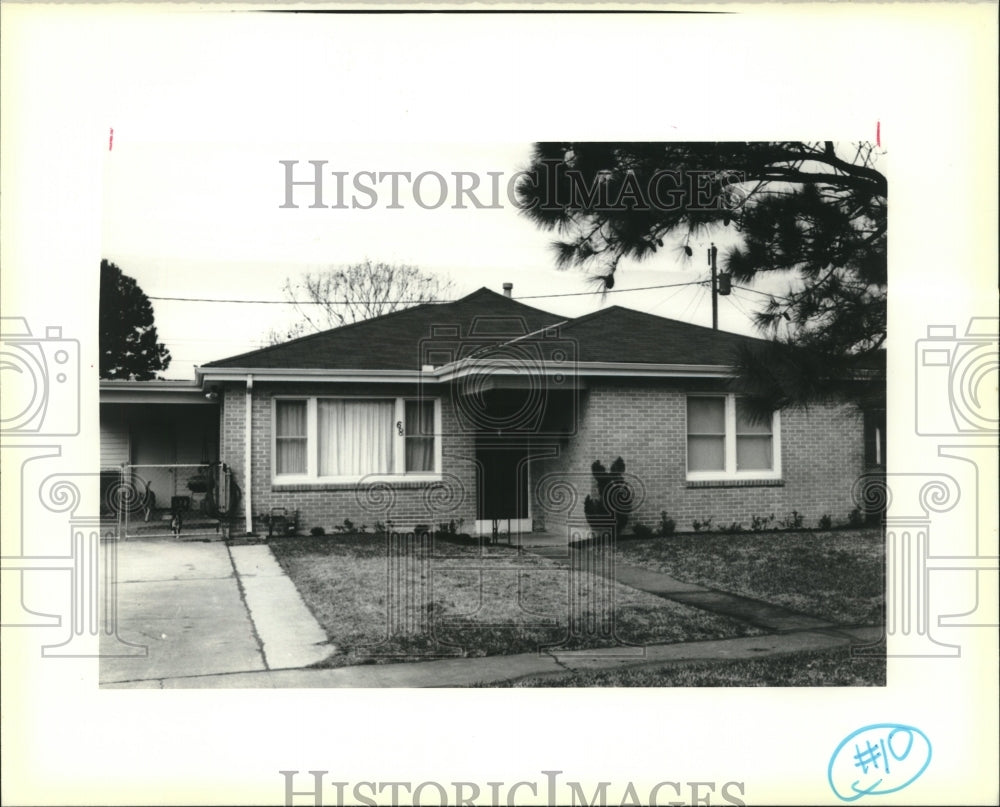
{"points": [[721, 284], [713, 251]]}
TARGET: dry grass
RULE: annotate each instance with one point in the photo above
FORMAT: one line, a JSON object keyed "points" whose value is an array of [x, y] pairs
{"points": [[831, 668], [836, 575], [490, 602]]}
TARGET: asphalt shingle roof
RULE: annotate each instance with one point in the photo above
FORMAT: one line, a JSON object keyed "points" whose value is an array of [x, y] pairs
{"points": [[399, 341], [396, 341], [619, 334]]}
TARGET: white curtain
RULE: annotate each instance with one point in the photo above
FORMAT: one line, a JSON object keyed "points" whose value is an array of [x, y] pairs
{"points": [[706, 419], [355, 437], [419, 436], [290, 437]]}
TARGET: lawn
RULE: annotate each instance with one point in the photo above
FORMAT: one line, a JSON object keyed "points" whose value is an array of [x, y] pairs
{"points": [[836, 575], [492, 601], [831, 668]]}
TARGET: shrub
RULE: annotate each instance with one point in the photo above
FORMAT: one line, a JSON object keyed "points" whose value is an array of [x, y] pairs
{"points": [[793, 521], [449, 529], [855, 518], [736, 526], [825, 522], [667, 525], [761, 523], [642, 531], [702, 525], [317, 531], [347, 526], [614, 496]]}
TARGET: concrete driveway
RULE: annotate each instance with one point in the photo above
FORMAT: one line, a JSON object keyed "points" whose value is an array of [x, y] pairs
{"points": [[181, 599]]}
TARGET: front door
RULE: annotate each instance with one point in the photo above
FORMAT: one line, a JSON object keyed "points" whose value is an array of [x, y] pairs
{"points": [[503, 486]]}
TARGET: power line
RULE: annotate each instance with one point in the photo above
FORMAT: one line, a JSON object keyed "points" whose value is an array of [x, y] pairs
{"points": [[668, 298], [735, 302], [408, 302], [695, 301], [763, 293]]}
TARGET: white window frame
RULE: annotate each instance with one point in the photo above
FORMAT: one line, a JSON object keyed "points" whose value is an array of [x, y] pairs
{"points": [[399, 472], [730, 472]]}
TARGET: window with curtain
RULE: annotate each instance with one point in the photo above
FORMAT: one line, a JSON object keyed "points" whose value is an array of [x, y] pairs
{"points": [[354, 436], [291, 438], [345, 439], [419, 428], [724, 441]]}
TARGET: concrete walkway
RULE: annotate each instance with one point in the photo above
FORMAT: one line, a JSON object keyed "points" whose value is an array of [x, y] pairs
{"points": [[180, 600], [494, 669], [200, 608], [288, 632]]}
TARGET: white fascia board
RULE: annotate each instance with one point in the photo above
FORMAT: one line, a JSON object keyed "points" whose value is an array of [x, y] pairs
{"points": [[218, 374], [463, 368], [590, 369], [152, 392]]}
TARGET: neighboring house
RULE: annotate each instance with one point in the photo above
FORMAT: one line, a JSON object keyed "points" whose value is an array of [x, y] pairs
{"points": [[490, 413]]}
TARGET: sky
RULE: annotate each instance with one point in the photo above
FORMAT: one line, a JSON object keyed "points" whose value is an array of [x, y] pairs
{"points": [[205, 220], [193, 184]]}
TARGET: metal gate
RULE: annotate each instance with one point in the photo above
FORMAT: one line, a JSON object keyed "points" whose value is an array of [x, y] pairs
{"points": [[177, 500]]}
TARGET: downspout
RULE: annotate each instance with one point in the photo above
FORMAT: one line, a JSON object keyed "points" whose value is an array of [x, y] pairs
{"points": [[247, 454]]}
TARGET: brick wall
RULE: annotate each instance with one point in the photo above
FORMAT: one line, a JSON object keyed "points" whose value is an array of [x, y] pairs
{"points": [[822, 455], [643, 422], [325, 505]]}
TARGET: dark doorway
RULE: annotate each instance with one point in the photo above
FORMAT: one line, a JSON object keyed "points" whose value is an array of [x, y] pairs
{"points": [[503, 484]]}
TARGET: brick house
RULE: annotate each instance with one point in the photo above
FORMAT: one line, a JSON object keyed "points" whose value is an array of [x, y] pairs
{"points": [[489, 412]]}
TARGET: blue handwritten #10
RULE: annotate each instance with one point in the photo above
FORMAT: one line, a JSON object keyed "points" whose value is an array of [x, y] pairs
{"points": [[878, 759]]}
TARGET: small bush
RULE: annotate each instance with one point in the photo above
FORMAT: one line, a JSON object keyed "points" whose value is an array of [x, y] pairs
{"points": [[317, 531], [642, 531], [614, 499], [793, 521], [449, 529], [667, 525], [761, 523], [825, 522], [736, 526], [855, 518], [702, 525]]}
